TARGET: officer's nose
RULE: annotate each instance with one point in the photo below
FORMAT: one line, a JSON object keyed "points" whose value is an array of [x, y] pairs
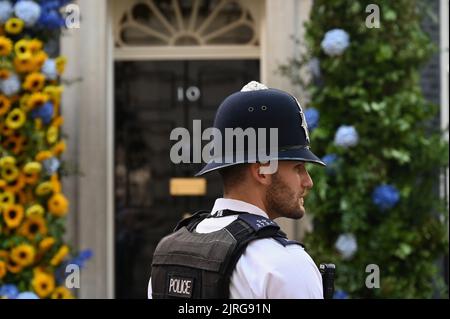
{"points": [[307, 181]]}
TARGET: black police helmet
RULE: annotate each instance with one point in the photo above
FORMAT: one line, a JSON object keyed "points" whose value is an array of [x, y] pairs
{"points": [[257, 106]]}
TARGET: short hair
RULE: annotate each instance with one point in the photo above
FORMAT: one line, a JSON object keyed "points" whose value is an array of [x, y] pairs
{"points": [[232, 175]]}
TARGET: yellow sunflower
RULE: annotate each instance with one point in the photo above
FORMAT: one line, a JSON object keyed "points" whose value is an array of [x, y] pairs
{"points": [[59, 148], [62, 252], [32, 168], [10, 173], [54, 92], [35, 45], [46, 244], [15, 144], [52, 134], [7, 161], [62, 292], [43, 284], [56, 109], [23, 255], [9, 144], [13, 267], [32, 178], [58, 205], [16, 185], [5, 105], [15, 119], [4, 74], [5, 46], [22, 198], [44, 188], [36, 100], [58, 121], [24, 101], [34, 82], [24, 64], [4, 254], [56, 184], [6, 199], [33, 226], [14, 25], [35, 210], [13, 215], [4, 130], [61, 64], [43, 155], [21, 48], [3, 269], [39, 60]]}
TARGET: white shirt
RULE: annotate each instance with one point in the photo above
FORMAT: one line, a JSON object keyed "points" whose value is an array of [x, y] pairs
{"points": [[266, 269]]}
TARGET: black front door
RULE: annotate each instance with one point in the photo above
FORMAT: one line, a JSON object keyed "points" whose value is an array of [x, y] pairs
{"points": [[152, 99]]}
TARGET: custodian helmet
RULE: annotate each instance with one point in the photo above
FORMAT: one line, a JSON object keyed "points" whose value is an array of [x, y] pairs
{"points": [[257, 106]]}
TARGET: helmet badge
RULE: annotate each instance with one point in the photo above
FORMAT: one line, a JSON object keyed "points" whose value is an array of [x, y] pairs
{"points": [[254, 86], [304, 124]]}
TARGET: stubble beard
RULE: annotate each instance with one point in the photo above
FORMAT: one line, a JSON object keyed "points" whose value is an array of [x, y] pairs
{"points": [[281, 201]]}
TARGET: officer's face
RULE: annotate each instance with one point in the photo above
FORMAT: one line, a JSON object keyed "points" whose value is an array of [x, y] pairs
{"points": [[288, 188]]}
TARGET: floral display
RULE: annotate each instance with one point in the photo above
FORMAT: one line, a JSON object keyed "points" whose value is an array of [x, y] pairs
{"points": [[33, 206], [377, 201]]}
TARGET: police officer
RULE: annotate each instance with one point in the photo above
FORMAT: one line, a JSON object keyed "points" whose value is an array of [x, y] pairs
{"points": [[236, 250]]}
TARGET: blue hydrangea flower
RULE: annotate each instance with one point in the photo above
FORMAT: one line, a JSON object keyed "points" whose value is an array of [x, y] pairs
{"points": [[51, 19], [340, 294], [27, 295], [45, 112], [50, 5], [385, 196], [49, 69], [346, 245], [312, 118], [51, 165], [330, 161], [86, 254], [346, 136], [53, 4], [79, 260], [11, 85], [29, 11], [335, 42], [6, 10], [9, 291], [314, 67], [82, 258]]}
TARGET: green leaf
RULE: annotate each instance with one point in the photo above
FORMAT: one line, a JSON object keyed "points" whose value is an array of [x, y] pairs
{"points": [[403, 251], [384, 53], [402, 156], [390, 15]]}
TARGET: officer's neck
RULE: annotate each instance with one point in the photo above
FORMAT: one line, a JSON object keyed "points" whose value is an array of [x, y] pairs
{"points": [[250, 199]]}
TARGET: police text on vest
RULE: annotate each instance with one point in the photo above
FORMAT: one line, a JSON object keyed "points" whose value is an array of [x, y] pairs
{"points": [[180, 287]]}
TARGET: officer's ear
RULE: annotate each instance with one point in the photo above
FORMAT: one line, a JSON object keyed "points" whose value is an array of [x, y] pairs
{"points": [[259, 174]]}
